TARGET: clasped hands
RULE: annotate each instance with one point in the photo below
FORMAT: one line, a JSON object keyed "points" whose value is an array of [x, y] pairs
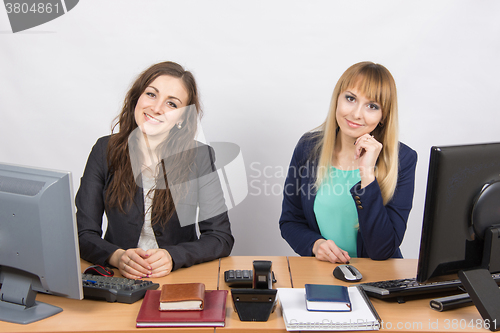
{"points": [[137, 263]]}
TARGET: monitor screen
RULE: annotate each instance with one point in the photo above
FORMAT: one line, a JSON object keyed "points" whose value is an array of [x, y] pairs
{"points": [[457, 175], [38, 242]]}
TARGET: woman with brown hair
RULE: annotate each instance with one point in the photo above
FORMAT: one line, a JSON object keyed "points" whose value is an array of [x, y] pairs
{"points": [[150, 178], [350, 184]]}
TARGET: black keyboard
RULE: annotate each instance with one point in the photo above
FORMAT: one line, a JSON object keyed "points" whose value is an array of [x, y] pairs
{"points": [[115, 289], [410, 287]]}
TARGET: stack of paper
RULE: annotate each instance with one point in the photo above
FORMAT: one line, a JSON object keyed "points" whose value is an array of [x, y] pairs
{"points": [[297, 318]]}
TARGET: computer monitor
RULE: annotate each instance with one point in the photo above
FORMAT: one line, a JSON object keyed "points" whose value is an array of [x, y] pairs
{"points": [[38, 242], [462, 214]]}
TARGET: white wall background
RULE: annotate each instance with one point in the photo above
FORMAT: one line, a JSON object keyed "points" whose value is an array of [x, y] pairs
{"points": [[265, 69]]}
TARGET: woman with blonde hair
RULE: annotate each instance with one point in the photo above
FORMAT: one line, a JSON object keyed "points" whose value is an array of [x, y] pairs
{"points": [[349, 188]]}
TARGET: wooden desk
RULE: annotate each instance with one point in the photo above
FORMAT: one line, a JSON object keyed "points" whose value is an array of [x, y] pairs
{"points": [[100, 316], [310, 270], [275, 322], [412, 316]]}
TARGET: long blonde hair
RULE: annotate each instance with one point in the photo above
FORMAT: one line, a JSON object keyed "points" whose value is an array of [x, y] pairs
{"points": [[376, 83]]}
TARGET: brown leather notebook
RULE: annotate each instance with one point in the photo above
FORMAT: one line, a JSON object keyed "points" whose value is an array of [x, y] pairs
{"points": [[182, 296]]}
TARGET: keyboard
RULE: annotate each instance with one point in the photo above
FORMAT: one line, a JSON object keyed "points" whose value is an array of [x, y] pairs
{"points": [[410, 287], [115, 289]]}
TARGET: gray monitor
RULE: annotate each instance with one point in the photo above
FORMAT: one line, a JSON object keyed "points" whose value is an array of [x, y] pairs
{"points": [[38, 242]]}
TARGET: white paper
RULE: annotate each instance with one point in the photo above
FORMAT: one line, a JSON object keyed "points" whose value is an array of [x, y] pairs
{"points": [[297, 317]]}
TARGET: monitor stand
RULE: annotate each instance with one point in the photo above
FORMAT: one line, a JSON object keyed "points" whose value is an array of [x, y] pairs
{"points": [[17, 299], [479, 284]]}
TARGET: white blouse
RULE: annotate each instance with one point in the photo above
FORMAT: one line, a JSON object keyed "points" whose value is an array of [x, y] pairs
{"points": [[147, 240]]}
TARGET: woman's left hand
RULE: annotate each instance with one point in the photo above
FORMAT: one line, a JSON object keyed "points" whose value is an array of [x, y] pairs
{"points": [[367, 152], [160, 262]]}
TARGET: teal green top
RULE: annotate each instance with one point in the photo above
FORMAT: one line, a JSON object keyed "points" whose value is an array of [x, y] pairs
{"points": [[335, 209]]}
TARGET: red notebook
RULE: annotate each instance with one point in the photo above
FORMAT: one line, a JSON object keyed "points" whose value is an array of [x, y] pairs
{"points": [[213, 313]]}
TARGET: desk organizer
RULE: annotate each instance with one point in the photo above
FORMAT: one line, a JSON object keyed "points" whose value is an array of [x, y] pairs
{"points": [[254, 304]]}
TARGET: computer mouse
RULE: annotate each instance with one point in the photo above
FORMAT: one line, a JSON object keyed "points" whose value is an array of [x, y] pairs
{"points": [[347, 273], [99, 270]]}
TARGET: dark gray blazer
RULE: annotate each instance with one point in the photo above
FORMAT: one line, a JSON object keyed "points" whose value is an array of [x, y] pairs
{"points": [[124, 229]]}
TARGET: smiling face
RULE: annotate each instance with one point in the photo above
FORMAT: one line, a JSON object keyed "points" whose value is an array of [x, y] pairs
{"points": [[160, 106], [356, 114]]}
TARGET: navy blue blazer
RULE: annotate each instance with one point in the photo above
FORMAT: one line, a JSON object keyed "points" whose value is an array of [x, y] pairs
{"points": [[124, 228], [381, 228]]}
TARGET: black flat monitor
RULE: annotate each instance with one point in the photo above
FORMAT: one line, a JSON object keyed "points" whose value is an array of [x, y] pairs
{"points": [[38, 242], [462, 214]]}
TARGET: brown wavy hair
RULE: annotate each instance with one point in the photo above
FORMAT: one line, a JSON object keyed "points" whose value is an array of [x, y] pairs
{"points": [[123, 187]]}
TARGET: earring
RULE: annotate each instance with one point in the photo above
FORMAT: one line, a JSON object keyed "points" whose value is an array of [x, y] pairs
{"points": [[381, 124], [179, 125]]}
